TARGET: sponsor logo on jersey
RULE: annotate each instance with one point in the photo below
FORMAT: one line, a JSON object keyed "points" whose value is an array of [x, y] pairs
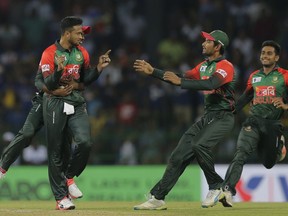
{"points": [[222, 72], [71, 70], [265, 91], [203, 68], [78, 57], [256, 79], [45, 67]]}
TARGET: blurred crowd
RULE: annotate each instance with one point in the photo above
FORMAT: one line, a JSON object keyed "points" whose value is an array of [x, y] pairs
{"points": [[135, 119]]}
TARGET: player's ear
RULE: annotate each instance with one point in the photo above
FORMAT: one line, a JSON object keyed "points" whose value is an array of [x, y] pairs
{"points": [[277, 57]]}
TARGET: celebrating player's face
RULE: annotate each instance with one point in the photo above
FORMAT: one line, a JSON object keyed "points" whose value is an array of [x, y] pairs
{"points": [[208, 48], [268, 56], [76, 36]]}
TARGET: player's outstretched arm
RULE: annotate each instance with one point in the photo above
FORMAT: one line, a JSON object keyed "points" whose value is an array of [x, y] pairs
{"points": [[104, 61], [172, 77], [143, 66]]}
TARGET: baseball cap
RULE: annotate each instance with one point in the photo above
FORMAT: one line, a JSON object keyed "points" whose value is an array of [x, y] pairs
{"points": [[217, 35], [86, 29]]}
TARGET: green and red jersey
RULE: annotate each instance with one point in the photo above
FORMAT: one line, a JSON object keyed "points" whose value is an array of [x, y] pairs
{"points": [[76, 66], [261, 89], [217, 80]]}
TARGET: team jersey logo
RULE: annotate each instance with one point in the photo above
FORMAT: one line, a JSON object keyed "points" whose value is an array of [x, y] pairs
{"points": [[256, 79], [275, 79], [45, 67], [265, 91], [78, 57], [222, 72]]}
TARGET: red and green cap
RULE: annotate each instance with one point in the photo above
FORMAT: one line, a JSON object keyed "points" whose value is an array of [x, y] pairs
{"points": [[217, 35], [86, 29]]}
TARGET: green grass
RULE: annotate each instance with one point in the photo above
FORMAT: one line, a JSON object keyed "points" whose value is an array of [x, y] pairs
{"points": [[83, 208]]}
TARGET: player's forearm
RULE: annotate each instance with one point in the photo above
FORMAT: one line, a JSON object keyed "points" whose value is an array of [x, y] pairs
{"points": [[39, 81], [52, 81], [157, 73], [243, 100], [90, 75], [209, 84]]}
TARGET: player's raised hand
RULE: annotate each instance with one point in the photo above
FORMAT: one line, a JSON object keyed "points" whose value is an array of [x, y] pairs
{"points": [[104, 61], [172, 77], [60, 62], [143, 66]]}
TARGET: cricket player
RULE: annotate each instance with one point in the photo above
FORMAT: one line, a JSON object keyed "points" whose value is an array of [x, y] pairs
{"points": [[61, 62], [216, 78], [34, 122], [262, 131]]}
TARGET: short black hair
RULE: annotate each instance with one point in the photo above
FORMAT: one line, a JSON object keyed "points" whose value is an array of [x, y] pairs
{"points": [[274, 44], [222, 49], [68, 22]]}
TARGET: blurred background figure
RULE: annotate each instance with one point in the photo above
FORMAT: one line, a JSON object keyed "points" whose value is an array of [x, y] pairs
{"points": [[128, 153], [35, 154]]}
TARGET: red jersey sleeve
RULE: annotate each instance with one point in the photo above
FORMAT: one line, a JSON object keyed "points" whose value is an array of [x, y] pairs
{"points": [[194, 73], [224, 71], [285, 75], [47, 65]]}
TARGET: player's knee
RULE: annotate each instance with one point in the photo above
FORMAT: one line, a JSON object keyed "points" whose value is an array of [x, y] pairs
{"points": [[85, 144], [197, 148]]}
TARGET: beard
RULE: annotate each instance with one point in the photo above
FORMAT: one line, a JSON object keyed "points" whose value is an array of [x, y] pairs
{"points": [[72, 43], [268, 65]]}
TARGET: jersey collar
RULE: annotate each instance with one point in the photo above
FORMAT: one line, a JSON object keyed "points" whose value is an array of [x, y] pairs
{"points": [[215, 60], [274, 69], [59, 47]]}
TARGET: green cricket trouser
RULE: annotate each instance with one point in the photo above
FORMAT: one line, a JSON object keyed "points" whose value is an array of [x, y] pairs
{"points": [[197, 142], [33, 123], [56, 123], [257, 134]]}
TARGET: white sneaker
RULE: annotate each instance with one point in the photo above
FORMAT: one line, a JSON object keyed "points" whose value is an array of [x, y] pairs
{"points": [[74, 191], [151, 204], [227, 200], [212, 198], [65, 204]]}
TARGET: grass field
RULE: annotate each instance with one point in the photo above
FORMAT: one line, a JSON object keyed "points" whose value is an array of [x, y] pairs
{"points": [[45, 208]]}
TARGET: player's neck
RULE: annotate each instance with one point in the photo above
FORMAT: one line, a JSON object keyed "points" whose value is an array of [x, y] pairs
{"points": [[268, 69], [213, 57], [65, 44]]}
